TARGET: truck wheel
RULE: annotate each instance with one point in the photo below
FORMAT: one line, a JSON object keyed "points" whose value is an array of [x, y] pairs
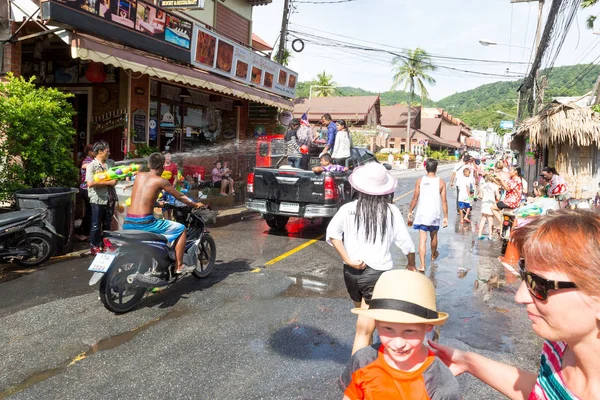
{"points": [[277, 221]]}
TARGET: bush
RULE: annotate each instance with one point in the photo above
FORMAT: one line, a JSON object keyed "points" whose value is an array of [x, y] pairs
{"points": [[142, 150], [36, 137]]}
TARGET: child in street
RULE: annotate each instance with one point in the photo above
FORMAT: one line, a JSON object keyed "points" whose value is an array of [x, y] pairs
{"points": [[327, 165], [490, 194], [401, 366], [466, 187]]}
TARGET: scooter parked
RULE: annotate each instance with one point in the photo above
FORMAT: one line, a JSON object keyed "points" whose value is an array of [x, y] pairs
{"points": [[26, 237], [136, 261]]}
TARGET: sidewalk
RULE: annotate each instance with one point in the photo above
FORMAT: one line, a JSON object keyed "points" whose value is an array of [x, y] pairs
{"points": [[226, 215]]}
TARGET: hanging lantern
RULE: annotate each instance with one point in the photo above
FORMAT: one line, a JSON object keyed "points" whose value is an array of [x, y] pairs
{"points": [[95, 72]]}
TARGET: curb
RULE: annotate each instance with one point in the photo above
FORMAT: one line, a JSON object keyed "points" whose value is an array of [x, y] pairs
{"points": [[74, 254]]}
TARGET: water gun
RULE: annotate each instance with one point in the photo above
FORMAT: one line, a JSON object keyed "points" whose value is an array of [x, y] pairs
{"points": [[118, 173]]}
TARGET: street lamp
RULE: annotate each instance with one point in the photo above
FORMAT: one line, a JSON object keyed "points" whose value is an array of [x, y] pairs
{"points": [[503, 113], [490, 43]]}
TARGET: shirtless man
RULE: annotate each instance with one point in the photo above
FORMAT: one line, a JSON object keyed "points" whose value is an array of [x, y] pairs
{"points": [[140, 214]]}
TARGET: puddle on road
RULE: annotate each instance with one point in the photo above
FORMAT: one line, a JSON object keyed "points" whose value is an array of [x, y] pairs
{"points": [[316, 284], [102, 345]]}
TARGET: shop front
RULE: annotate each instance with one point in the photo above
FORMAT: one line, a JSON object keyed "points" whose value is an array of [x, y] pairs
{"points": [[175, 86]]}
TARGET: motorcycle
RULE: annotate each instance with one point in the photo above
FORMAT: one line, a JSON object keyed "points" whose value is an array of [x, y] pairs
{"points": [[26, 237], [137, 261]]}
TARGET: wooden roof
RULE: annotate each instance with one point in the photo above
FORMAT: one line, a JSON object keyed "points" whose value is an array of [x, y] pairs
{"points": [[563, 123]]}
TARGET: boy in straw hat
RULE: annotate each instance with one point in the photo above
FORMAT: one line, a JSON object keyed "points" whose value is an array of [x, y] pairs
{"points": [[401, 366]]}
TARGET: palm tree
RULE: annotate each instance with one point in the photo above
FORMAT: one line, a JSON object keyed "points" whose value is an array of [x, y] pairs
{"points": [[324, 86], [285, 59], [412, 71], [592, 18]]}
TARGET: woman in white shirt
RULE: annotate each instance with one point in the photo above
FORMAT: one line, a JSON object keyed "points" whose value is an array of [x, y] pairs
{"points": [[363, 232], [343, 143]]}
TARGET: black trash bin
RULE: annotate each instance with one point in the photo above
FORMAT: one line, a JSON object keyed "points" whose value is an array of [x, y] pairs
{"points": [[60, 202]]}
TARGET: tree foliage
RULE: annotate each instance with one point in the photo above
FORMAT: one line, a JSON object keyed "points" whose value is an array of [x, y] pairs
{"points": [[412, 72], [36, 137]]}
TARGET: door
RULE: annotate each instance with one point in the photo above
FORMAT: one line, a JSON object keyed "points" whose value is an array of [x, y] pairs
{"points": [[79, 101], [114, 138]]}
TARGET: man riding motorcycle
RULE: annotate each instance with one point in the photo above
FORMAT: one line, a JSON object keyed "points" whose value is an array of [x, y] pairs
{"points": [[140, 215]]}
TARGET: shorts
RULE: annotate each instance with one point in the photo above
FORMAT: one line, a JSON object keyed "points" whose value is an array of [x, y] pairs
{"points": [[464, 205], [169, 229], [501, 205], [360, 284], [427, 228]]}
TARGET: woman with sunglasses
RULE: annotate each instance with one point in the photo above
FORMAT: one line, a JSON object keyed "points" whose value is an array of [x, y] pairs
{"points": [[561, 283]]}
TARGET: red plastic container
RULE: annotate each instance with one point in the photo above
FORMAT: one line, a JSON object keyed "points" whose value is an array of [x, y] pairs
{"points": [[195, 171]]}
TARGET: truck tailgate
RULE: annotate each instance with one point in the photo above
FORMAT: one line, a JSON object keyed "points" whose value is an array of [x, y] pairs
{"points": [[289, 185]]}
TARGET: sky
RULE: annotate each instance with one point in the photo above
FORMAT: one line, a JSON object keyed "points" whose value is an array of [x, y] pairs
{"points": [[441, 27]]}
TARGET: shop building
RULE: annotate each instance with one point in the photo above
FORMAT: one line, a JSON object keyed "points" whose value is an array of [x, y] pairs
{"points": [[145, 74]]}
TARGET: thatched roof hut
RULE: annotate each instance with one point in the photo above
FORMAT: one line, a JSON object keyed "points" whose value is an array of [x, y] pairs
{"points": [[563, 124]]}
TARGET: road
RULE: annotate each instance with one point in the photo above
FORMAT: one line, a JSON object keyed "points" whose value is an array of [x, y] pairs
{"points": [[272, 322]]}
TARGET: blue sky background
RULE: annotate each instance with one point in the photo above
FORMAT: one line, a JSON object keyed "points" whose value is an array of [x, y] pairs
{"points": [[443, 27]]}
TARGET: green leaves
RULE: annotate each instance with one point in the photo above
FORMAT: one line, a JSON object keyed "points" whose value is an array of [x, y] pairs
{"points": [[36, 137]]}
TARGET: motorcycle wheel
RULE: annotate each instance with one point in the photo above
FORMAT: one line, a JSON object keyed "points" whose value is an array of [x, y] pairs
{"points": [[42, 245], [206, 258], [116, 294]]}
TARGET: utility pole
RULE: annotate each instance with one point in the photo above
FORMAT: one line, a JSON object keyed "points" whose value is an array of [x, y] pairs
{"points": [[538, 38], [283, 33]]}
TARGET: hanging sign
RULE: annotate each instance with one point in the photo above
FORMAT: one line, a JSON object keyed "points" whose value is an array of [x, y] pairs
{"points": [[212, 52], [183, 4]]}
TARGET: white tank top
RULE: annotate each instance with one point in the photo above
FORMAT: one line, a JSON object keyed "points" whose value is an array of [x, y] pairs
{"points": [[430, 201]]}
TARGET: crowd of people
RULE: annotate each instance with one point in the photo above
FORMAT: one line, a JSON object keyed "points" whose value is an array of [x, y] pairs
{"points": [[559, 267]]}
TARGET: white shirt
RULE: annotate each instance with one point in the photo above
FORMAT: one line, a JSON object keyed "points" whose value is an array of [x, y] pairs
{"points": [[341, 148], [430, 201], [406, 158], [376, 255], [462, 183]]}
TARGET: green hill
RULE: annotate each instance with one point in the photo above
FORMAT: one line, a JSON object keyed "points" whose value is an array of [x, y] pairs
{"points": [[478, 107], [388, 98]]}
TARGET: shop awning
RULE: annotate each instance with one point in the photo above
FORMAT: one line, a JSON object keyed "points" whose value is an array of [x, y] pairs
{"points": [[86, 48]]}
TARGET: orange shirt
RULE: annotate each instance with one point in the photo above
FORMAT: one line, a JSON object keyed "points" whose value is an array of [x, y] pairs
{"points": [[368, 376]]}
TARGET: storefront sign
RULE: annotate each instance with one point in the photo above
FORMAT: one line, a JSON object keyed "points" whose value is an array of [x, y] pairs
{"points": [[153, 128], [211, 51], [139, 126], [133, 23], [183, 4]]}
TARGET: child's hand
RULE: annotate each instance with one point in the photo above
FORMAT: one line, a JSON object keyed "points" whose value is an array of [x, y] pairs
{"points": [[445, 223], [454, 359]]}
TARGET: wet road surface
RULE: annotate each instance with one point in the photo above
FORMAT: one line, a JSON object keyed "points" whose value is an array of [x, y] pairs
{"points": [[250, 330]]}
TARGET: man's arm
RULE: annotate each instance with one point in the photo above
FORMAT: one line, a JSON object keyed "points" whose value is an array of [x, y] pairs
{"points": [[167, 187], [416, 194], [444, 202]]}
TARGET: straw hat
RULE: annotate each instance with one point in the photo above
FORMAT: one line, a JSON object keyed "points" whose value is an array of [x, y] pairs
{"points": [[372, 178], [403, 296]]}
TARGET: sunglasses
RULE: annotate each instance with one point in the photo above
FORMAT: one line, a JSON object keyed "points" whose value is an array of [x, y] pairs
{"points": [[538, 286]]}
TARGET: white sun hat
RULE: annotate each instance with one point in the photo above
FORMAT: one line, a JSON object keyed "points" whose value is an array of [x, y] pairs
{"points": [[373, 179], [403, 296]]}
